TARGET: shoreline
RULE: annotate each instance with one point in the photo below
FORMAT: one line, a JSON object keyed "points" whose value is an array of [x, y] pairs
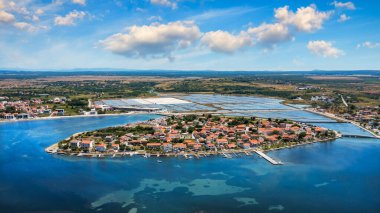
{"points": [[79, 116]]}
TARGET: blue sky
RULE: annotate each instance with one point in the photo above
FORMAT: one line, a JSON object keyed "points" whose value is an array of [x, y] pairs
{"points": [[190, 34]]}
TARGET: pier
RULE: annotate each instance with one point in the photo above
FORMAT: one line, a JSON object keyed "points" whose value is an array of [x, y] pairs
{"points": [[266, 157]]}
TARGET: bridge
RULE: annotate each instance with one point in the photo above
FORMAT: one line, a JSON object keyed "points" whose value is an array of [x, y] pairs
{"points": [[359, 136], [322, 122]]}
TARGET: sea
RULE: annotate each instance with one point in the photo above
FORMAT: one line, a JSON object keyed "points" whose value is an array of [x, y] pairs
{"points": [[338, 176]]}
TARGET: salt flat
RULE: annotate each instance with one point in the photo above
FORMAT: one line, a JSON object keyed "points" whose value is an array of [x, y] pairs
{"points": [[160, 101]]}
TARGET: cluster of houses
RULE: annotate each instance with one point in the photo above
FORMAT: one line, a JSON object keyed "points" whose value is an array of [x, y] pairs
{"points": [[368, 117], [201, 134], [322, 98], [12, 110]]}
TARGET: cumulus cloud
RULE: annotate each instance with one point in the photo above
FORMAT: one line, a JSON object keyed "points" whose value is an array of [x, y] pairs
{"points": [[153, 41], [166, 3], [25, 26], [343, 18], [81, 2], [270, 34], [306, 19], [18, 8], [344, 5], [324, 49], [69, 19], [160, 40], [6, 17], [19, 15], [225, 42], [369, 44]]}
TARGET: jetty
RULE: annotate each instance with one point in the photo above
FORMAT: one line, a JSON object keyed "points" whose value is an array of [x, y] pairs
{"points": [[266, 157]]}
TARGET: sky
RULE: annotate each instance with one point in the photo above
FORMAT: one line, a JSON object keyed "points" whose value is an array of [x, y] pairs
{"points": [[190, 34]]}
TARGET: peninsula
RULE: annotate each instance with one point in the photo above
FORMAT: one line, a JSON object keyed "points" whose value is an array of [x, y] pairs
{"points": [[193, 135]]}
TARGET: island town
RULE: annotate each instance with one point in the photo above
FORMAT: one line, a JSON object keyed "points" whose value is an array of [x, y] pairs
{"points": [[193, 136]]}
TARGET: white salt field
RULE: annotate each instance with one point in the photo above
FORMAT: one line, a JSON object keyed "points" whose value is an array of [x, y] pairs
{"points": [[199, 102], [233, 106], [168, 104], [223, 104]]}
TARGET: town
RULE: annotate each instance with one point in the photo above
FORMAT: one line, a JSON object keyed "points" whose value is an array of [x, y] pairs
{"points": [[37, 108], [190, 135]]}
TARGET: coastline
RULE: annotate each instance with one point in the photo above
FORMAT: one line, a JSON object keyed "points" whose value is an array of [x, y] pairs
{"points": [[75, 116], [224, 153]]}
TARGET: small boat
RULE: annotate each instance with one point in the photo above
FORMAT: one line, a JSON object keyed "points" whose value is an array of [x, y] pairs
{"points": [[159, 161]]}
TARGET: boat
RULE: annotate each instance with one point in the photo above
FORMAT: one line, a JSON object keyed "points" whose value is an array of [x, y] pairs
{"points": [[159, 161]]}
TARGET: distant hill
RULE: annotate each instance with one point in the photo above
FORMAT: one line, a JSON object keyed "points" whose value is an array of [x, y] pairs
{"points": [[24, 74]]}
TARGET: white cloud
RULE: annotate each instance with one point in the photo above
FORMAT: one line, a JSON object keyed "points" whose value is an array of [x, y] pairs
{"points": [[155, 18], [344, 5], [6, 17], [154, 41], [221, 13], [270, 34], [343, 18], [166, 3], [69, 19], [221, 41], [40, 11], [25, 26], [81, 2], [18, 8], [369, 44], [306, 19], [324, 49]]}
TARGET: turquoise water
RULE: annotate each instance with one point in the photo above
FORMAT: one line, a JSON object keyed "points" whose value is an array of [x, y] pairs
{"points": [[339, 176]]}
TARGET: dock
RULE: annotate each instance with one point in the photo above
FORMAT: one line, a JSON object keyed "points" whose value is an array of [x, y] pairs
{"points": [[266, 157]]}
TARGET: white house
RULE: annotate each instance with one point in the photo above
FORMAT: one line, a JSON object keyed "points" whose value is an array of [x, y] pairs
{"points": [[86, 144]]}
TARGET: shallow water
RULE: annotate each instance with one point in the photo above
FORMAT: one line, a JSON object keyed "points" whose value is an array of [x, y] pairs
{"points": [[340, 176]]}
